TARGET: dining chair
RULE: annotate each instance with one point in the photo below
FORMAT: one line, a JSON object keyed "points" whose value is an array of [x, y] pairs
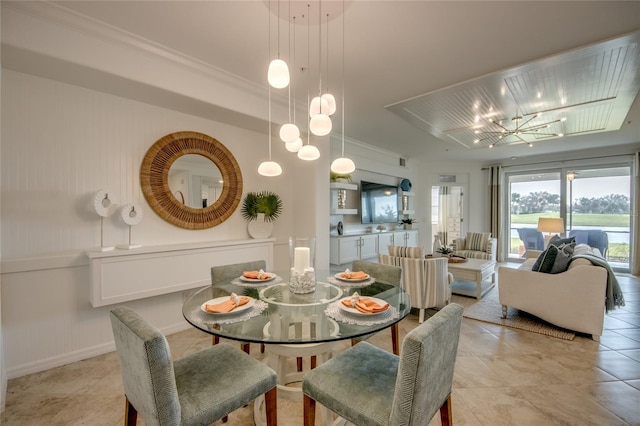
{"points": [[367, 385], [385, 274], [198, 389], [226, 273]]}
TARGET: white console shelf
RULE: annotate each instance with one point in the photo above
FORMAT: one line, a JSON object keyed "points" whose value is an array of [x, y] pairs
{"points": [[123, 275], [342, 186]]}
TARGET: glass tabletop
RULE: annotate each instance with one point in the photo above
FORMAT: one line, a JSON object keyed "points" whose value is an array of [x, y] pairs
{"points": [[274, 314]]}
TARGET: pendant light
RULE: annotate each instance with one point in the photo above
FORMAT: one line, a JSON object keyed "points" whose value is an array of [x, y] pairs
{"points": [[328, 97], [343, 165], [278, 73], [296, 144], [320, 123], [269, 168], [289, 132], [308, 152]]}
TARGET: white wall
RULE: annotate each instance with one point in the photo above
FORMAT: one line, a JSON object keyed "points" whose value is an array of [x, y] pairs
{"points": [[61, 143]]}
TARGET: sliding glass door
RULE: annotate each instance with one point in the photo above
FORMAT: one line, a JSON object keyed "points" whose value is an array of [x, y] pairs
{"points": [[594, 203]]}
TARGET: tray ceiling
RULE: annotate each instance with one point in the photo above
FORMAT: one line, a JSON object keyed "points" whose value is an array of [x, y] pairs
{"points": [[583, 91]]}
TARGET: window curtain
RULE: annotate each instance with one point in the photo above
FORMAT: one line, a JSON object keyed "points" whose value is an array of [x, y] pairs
{"points": [[495, 176], [634, 260], [444, 199]]}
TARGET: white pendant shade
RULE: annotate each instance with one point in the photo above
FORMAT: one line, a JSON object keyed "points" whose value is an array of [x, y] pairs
{"points": [[289, 132], [316, 103], [309, 153], [320, 125], [331, 103], [278, 74], [294, 146], [343, 165], [269, 168]]}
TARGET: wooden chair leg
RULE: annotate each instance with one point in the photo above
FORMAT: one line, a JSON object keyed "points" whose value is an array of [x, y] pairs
{"points": [[246, 347], [394, 339], [309, 411], [299, 363], [261, 348], [271, 406], [130, 413], [446, 413], [225, 419], [354, 342], [215, 340], [314, 361]]}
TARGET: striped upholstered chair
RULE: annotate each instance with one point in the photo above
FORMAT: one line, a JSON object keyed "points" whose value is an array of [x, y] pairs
{"points": [[427, 281], [476, 245]]}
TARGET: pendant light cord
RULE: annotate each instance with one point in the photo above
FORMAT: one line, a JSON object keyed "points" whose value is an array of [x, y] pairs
{"points": [[343, 19], [308, 65]]}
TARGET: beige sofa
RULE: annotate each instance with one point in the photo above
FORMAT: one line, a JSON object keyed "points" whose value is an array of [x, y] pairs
{"points": [[574, 299]]}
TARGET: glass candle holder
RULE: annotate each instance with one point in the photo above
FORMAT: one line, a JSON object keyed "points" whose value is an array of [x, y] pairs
{"points": [[302, 261]]}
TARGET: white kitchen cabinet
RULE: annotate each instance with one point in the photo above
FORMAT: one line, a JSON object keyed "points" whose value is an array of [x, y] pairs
{"points": [[405, 238], [385, 240], [347, 249]]}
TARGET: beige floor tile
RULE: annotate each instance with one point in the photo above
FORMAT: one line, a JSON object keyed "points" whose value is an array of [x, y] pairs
{"points": [[567, 405], [521, 370], [620, 398], [471, 372], [618, 365], [502, 406]]}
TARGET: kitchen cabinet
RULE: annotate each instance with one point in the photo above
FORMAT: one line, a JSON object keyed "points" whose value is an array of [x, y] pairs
{"points": [[350, 248]]}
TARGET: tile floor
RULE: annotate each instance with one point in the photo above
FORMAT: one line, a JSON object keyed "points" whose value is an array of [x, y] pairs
{"points": [[503, 377]]}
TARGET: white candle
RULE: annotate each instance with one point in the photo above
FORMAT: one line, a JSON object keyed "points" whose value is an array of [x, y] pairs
{"points": [[301, 259]]}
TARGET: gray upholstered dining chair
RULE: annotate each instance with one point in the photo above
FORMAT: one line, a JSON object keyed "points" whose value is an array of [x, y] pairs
{"points": [[386, 274], [198, 389], [225, 273], [358, 382]]}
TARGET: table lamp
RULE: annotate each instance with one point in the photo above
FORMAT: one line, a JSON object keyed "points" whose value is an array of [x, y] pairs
{"points": [[550, 225]]}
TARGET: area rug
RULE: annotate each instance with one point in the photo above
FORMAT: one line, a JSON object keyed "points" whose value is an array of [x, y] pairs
{"points": [[489, 309]]}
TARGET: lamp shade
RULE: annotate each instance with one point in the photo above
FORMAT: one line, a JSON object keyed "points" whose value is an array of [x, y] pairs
{"points": [[278, 74], [309, 153], [294, 146], [331, 102], [551, 225], [269, 168], [343, 165], [289, 132], [320, 125], [318, 104]]}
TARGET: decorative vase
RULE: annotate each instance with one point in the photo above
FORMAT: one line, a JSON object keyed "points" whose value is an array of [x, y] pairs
{"points": [[260, 228], [342, 199], [437, 244], [302, 260]]}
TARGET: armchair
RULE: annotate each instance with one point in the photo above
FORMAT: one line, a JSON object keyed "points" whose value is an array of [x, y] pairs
{"points": [[427, 281], [476, 245], [593, 238]]}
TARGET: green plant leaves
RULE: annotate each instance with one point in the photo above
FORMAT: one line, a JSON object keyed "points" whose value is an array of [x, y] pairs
{"points": [[266, 202]]}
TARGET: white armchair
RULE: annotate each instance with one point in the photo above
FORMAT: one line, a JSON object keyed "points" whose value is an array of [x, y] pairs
{"points": [[476, 245], [427, 281]]}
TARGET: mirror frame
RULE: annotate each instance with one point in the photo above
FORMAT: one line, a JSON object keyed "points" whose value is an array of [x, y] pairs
{"points": [[154, 179]]}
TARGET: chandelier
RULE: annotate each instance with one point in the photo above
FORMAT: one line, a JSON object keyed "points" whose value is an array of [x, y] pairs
{"points": [[523, 126]]}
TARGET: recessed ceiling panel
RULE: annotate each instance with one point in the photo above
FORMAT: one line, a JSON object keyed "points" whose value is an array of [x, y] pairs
{"points": [[583, 91]]}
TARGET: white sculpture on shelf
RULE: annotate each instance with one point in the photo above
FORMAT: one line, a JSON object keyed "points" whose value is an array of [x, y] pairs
{"points": [[104, 206], [131, 215]]}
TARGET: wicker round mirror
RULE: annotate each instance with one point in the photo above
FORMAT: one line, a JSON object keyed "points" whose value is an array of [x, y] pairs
{"points": [[154, 179]]}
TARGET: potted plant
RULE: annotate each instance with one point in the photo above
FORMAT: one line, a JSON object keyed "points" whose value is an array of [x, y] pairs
{"points": [[339, 177], [407, 223], [445, 251], [264, 204], [260, 209]]}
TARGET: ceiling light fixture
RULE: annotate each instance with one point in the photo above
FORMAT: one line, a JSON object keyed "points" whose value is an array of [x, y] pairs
{"points": [[269, 168], [289, 132], [308, 152], [320, 123], [343, 165], [521, 128], [278, 73]]}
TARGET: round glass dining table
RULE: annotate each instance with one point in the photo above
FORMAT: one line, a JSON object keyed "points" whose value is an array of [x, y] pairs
{"points": [[276, 315]]}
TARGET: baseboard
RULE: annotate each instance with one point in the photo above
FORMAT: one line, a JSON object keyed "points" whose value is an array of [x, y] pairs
{"points": [[67, 358]]}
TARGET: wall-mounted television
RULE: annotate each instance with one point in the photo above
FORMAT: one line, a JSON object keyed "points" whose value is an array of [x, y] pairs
{"points": [[379, 203]]}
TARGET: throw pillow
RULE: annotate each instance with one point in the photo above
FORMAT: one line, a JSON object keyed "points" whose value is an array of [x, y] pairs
{"points": [[477, 241], [544, 262], [400, 251], [557, 241], [561, 262]]}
